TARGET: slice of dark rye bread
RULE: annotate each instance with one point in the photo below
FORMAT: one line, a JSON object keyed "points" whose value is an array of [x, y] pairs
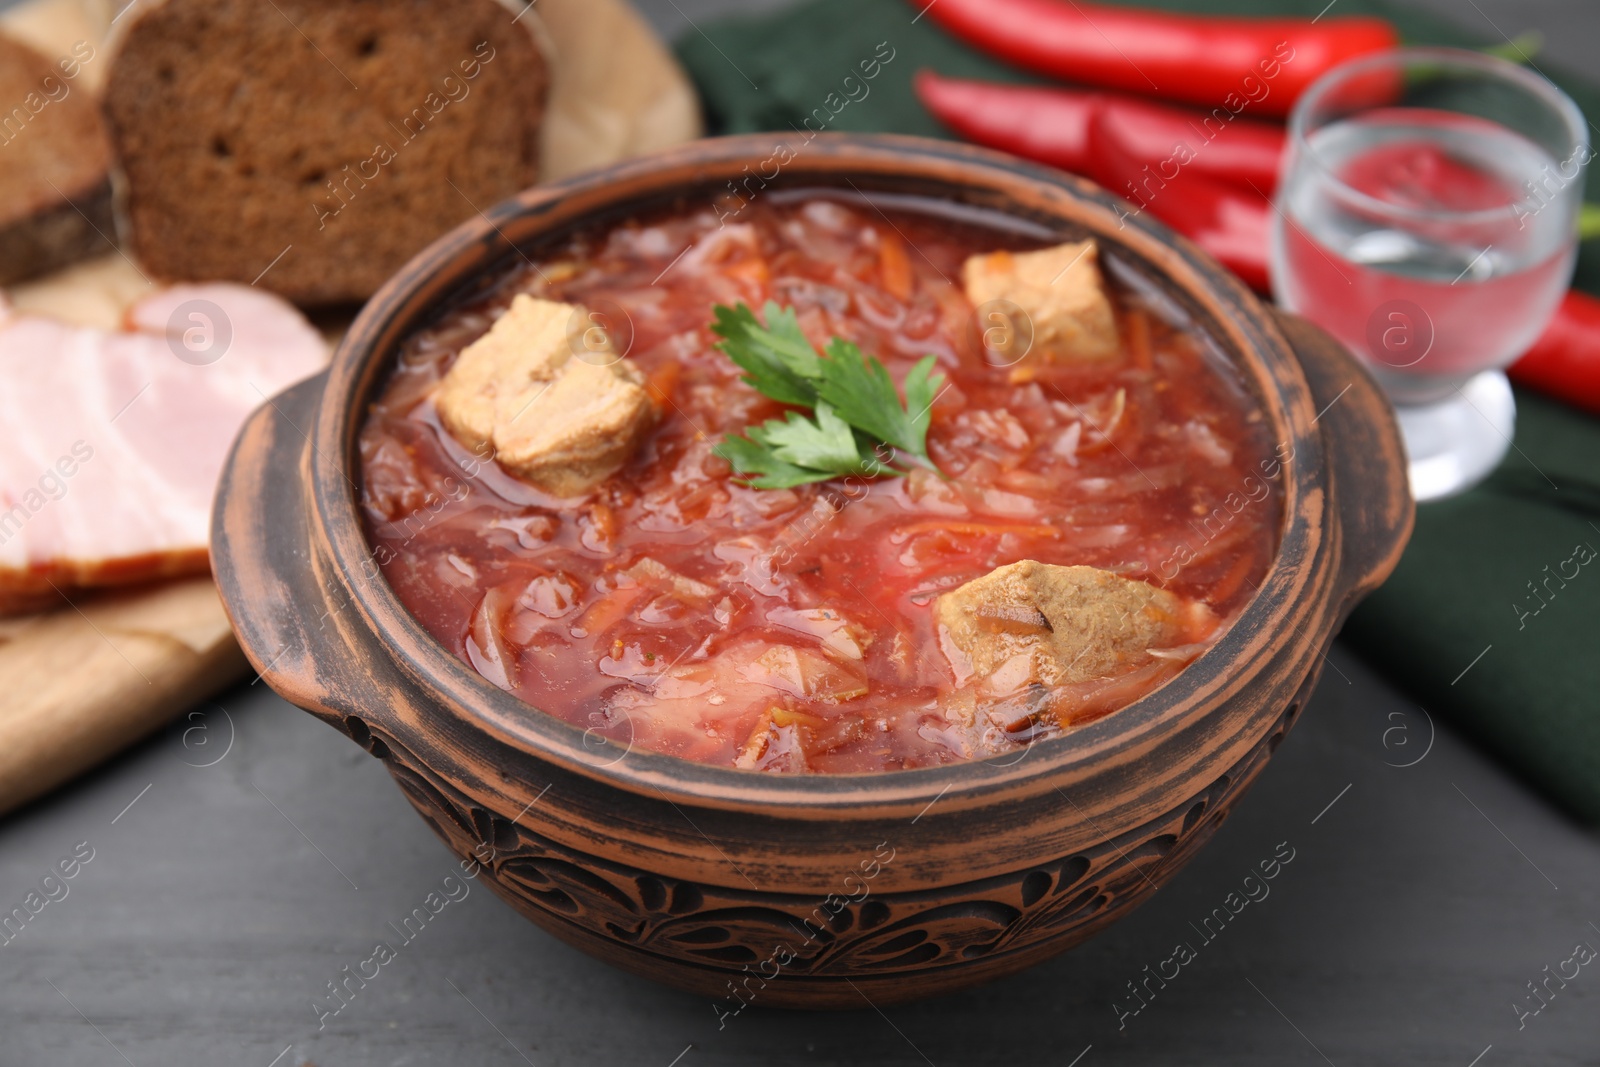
{"points": [[55, 192], [313, 146]]}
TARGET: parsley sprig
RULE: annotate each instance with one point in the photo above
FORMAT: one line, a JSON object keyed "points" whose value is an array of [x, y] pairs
{"points": [[857, 418]]}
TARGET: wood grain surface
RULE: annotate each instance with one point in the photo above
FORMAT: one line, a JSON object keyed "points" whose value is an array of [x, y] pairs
{"points": [[82, 683], [207, 927]]}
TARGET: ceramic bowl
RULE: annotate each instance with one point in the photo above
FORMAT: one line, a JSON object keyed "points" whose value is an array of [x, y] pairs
{"points": [[822, 890]]}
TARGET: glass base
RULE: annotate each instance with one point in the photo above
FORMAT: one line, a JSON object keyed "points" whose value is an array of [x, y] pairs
{"points": [[1454, 444]]}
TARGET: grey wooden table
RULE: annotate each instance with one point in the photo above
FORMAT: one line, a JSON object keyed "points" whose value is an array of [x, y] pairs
{"points": [[244, 857], [225, 872]]}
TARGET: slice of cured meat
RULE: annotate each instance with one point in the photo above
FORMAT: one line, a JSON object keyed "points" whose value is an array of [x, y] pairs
{"points": [[111, 442]]}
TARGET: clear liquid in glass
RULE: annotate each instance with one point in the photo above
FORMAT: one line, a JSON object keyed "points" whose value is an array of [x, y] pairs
{"points": [[1433, 244]]}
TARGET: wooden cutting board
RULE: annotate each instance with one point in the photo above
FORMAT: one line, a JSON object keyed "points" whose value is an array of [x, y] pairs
{"points": [[79, 684]]}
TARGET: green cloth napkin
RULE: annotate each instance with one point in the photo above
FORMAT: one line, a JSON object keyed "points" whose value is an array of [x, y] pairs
{"points": [[1456, 625]]}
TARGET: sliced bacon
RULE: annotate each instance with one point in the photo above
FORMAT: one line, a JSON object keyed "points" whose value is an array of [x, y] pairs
{"points": [[110, 444]]}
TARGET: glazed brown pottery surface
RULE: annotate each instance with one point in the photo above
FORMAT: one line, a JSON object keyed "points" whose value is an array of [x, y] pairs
{"points": [[807, 890]]}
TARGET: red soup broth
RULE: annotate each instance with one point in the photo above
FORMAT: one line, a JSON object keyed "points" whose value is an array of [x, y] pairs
{"points": [[676, 610]]}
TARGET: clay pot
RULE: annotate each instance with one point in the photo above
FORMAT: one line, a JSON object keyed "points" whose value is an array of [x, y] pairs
{"points": [[824, 890]]}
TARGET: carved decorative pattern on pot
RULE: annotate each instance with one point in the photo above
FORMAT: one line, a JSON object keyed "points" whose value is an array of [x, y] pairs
{"points": [[875, 933]]}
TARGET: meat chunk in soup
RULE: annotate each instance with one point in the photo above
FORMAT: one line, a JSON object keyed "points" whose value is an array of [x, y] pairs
{"points": [[581, 430], [1039, 622], [1060, 291], [506, 368], [548, 396]]}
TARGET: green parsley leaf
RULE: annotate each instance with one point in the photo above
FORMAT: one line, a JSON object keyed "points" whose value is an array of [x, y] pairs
{"points": [[857, 411], [795, 450], [763, 469], [864, 395], [779, 360], [825, 443]]}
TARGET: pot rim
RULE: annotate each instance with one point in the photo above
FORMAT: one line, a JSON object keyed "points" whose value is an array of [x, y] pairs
{"points": [[467, 704]]}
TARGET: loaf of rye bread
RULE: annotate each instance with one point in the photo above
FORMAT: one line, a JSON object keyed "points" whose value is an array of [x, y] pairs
{"points": [[313, 146], [55, 193]]}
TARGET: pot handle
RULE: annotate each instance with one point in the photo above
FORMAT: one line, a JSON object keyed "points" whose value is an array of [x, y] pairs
{"points": [[1366, 458], [261, 554]]}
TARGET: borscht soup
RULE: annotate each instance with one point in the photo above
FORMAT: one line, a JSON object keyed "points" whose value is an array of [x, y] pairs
{"points": [[819, 487]]}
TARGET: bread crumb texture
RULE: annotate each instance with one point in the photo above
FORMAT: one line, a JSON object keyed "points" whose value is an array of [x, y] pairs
{"points": [[55, 159], [312, 147]]}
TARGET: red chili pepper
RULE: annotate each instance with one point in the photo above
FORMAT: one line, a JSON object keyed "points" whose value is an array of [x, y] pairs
{"points": [[1218, 62], [1100, 136], [1231, 223], [1044, 125], [1052, 126], [1565, 360]]}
